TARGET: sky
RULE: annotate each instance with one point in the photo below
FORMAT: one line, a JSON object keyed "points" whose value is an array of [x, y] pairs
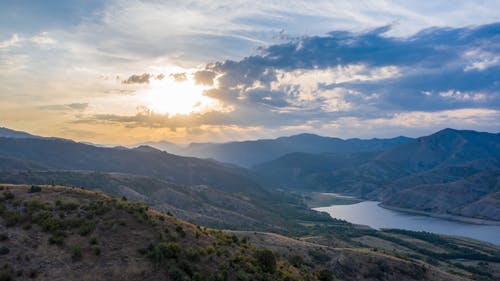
{"points": [[126, 72]]}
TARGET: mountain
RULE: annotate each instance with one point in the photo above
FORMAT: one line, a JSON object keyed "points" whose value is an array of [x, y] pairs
{"points": [[9, 133], [58, 154], [60, 233], [249, 153], [298, 170], [430, 173], [167, 146], [445, 147]]}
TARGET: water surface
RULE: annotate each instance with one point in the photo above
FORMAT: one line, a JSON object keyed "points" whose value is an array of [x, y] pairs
{"points": [[369, 213]]}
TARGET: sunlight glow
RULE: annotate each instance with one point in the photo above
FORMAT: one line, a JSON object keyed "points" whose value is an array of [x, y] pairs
{"points": [[177, 97]]}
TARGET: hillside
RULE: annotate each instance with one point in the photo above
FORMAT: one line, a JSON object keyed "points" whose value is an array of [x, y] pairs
{"points": [[249, 153], [475, 196], [446, 147], [57, 154], [429, 173], [59, 233], [9, 133], [201, 204]]}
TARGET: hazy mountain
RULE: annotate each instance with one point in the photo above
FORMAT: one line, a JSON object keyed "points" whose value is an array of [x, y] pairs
{"points": [[298, 170], [8, 133], [68, 155], [167, 146], [249, 153]]}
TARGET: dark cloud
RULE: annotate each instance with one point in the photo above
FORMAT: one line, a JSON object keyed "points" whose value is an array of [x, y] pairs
{"points": [[138, 79], [429, 64], [204, 77], [179, 77]]}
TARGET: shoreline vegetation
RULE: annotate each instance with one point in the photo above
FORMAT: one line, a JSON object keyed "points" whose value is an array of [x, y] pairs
{"points": [[450, 217], [324, 199]]}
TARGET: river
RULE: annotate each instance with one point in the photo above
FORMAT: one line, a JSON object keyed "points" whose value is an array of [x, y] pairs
{"points": [[371, 214]]}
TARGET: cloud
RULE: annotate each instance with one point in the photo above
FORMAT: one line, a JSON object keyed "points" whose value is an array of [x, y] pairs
{"points": [[69, 106], [12, 41], [138, 79], [179, 77], [379, 73], [204, 77]]}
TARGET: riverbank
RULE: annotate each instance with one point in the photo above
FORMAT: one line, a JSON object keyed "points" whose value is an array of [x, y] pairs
{"points": [[321, 199], [442, 216]]}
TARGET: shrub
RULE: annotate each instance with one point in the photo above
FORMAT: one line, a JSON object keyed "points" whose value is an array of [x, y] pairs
{"points": [[180, 230], [6, 273], [319, 257], [96, 250], [86, 229], [76, 253], [163, 251], [33, 273], [7, 195], [34, 188], [192, 254], [325, 275], [11, 218], [175, 274], [4, 250], [57, 239], [266, 260], [296, 261], [93, 240]]}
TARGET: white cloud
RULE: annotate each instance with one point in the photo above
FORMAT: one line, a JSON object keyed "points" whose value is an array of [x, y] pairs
{"points": [[480, 60], [463, 96], [12, 41]]}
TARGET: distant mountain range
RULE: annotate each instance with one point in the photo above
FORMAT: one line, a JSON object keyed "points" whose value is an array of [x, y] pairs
{"points": [[449, 172], [249, 153]]}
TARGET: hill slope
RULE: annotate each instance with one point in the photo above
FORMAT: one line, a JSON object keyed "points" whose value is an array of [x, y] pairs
{"points": [[57, 154], [58, 233]]}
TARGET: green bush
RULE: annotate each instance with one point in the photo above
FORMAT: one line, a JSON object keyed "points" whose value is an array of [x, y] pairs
{"points": [[319, 257], [76, 253], [325, 275], [163, 251], [93, 240], [96, 250], [86, 229], [266, 260], [57, 239], [11, 218]]}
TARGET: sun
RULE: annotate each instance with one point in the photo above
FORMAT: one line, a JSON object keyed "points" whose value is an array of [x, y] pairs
{"points": [[173, 97]]}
